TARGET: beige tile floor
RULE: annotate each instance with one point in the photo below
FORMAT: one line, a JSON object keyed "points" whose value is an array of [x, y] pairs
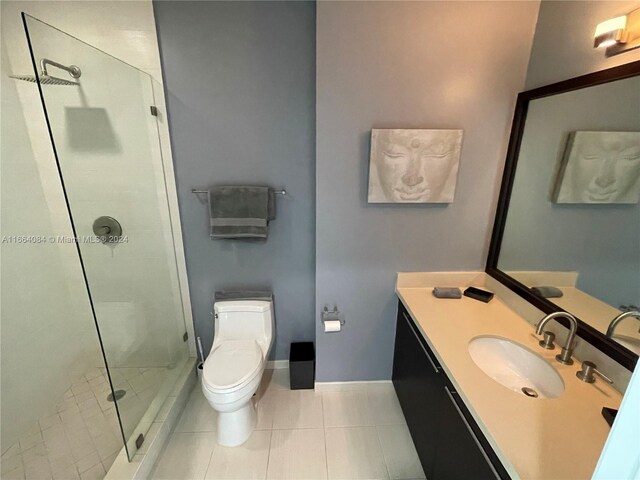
{"points": [[350, 432]]}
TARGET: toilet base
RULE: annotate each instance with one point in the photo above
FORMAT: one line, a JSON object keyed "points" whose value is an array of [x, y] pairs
{"points": [[235, 428]]}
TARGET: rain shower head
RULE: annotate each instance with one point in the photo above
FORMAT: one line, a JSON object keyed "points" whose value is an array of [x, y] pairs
{"points": [[46, 79]]}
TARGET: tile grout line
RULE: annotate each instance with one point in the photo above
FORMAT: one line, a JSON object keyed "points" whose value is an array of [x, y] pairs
{"points": [[369, 409], [266, 471], [384, 457], [213, 450], [324, 436]]}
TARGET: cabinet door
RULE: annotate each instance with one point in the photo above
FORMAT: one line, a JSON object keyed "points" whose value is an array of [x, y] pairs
{"points": [[417, 381], [459, 453]]}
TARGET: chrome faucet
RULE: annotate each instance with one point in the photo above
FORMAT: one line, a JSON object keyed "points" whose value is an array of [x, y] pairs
{"points": [[619, 318], [565, 354]]}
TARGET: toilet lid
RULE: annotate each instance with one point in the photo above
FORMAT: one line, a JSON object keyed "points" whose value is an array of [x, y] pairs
{"points": [[231, 364]]}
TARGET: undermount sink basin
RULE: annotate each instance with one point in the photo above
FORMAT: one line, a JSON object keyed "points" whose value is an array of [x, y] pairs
{"points": [[516, 367]]}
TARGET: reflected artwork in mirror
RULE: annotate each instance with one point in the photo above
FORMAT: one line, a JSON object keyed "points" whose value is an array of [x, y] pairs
{"points": [[567, 229], [600, 167]]}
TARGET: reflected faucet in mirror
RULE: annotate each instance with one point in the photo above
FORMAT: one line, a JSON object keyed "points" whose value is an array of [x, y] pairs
{"points": [[564, 356], [619, 318]]}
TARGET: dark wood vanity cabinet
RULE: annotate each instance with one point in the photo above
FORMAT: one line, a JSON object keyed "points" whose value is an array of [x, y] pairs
{"points": [[416, 378], [448, 441]]}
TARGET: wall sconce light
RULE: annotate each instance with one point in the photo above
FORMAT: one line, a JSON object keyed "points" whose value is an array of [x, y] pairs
{"points": [[619, 34]]}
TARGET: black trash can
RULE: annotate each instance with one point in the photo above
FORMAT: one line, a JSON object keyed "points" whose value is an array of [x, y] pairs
{"points": [[302, 365]]}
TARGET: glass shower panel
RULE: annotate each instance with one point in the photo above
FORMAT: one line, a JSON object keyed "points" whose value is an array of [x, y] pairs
{"points": [[106, 141]]}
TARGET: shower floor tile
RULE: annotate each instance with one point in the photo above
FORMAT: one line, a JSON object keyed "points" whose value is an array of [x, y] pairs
{"points": [[80, 437]]}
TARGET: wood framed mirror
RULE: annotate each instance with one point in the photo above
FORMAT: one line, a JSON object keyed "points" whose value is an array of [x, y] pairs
{"points": [[568, 215]]}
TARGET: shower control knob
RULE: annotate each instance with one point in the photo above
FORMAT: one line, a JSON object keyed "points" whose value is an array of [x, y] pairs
{"points": [[107, 229]]}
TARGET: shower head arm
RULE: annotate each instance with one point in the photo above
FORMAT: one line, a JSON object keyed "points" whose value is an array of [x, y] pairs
{"points": [[73, 70]]}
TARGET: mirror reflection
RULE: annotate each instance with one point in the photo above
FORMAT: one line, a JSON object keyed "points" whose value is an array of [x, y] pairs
{"points": [[572, 232]]}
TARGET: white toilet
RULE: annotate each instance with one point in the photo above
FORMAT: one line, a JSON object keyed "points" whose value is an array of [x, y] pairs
{"points": [[243, 336]]}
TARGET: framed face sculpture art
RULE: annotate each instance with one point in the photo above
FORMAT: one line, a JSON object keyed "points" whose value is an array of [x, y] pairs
{"points": [[600, 167], [413, 166]]}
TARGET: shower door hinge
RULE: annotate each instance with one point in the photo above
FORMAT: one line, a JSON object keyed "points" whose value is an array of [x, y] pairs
{"points": [[154, 110], [185, 337]]}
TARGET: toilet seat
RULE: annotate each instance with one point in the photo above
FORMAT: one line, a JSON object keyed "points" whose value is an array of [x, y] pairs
{"points": [[231, 365]]}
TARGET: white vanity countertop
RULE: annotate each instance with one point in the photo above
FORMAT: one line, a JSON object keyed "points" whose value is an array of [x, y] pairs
{"points": [[535, 438]]}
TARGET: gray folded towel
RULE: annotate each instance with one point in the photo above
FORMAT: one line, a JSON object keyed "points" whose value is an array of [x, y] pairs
{"points": [[242, 295], [546, 291], [447, 292], [240, 211]]}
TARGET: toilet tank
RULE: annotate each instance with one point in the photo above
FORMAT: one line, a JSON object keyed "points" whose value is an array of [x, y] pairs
{"points": [[243, 320]]}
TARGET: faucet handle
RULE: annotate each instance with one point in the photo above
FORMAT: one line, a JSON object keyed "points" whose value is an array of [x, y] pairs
{"points": [[547, 342], [587, 373]]}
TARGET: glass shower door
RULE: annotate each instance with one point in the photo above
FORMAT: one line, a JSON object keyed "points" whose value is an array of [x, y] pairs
{"points": [[105, 138]]}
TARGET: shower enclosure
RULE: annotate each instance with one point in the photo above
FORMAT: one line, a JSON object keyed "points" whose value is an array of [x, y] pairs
{"points": [[102, 123]]}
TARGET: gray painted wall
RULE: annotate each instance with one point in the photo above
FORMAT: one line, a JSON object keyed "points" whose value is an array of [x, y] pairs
{"points": [[240, 87], [405, 65], [563, 43], [598, 241]]}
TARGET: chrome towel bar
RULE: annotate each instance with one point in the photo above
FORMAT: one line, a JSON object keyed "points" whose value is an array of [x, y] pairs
{"points": [[197, 190]]}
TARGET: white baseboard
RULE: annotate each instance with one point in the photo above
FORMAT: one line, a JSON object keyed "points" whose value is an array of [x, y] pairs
{"points": [[278, 364], [338, 386]]}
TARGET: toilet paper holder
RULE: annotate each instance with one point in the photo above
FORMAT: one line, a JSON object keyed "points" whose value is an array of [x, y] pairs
{"points": [[331, 315]]}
